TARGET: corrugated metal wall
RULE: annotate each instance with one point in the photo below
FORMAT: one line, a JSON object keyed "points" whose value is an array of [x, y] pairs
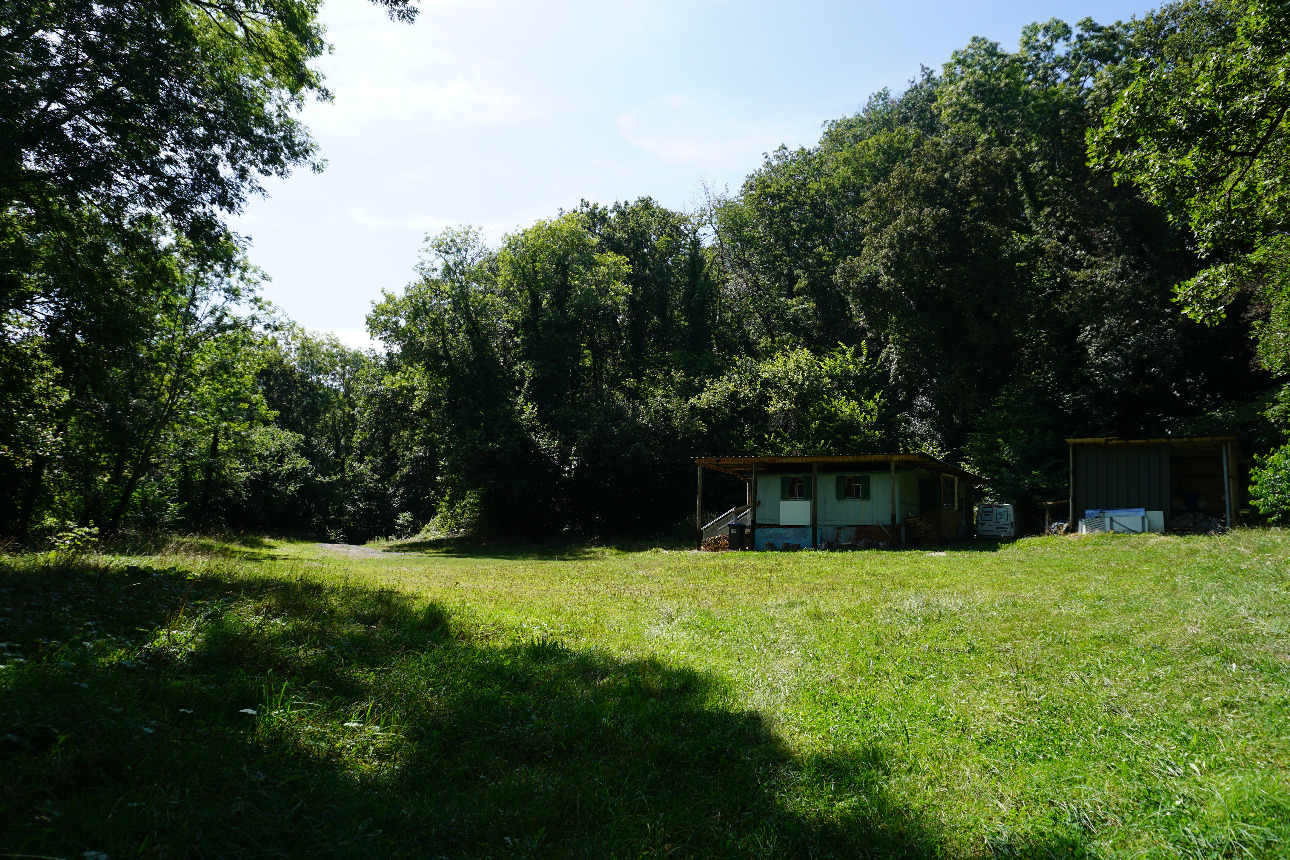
{"points": [[1120, 476]]}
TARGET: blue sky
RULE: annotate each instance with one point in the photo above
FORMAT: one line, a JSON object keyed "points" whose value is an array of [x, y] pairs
{"points": [[497, 113]]}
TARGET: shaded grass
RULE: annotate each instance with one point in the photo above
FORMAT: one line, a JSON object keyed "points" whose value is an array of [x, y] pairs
{"points": [[159, 714], [473, 548], [1117, 697]]}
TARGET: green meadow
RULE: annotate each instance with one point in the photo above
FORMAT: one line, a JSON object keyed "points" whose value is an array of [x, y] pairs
{"points": [[1104, 697]]}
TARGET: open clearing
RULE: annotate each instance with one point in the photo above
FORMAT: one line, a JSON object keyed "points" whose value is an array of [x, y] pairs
{"points": [[1104, 697]]}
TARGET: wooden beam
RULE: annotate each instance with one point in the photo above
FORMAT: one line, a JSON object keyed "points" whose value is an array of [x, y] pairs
{"points": [[698, 511], [1071, 519], [741, 466], [752, 517], [1228, 484], [815, 502], [893, 492]]}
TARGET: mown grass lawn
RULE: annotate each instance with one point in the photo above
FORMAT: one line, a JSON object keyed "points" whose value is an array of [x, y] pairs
{"points": [[1102, 697]]}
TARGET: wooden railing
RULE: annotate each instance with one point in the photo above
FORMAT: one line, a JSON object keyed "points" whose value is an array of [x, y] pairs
{"points": [[743, 513]]}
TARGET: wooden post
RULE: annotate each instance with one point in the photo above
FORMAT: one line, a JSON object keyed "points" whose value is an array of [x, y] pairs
{"points": [[895, 502], [698, 511], [815, 502], [752, 516], [1227, 484], [1070, 520], [893, 497]]}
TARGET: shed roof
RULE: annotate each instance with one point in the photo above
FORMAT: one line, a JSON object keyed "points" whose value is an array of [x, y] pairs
{"points": [[1194, 443], [742, 467]]}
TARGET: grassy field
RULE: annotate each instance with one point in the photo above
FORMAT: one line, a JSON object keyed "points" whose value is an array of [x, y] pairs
{"points": [[1057, 697]]}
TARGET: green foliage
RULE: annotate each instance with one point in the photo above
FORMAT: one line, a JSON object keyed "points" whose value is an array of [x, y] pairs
{"points": [[1200, 128], [673, 300], [74, 544], [310, 460], [1018, 445], [976, 256], [564, 300], [541, 379], [30, 398], [942, 271], [168, 107], [132, 128], [1270, 485], [797, 402]]}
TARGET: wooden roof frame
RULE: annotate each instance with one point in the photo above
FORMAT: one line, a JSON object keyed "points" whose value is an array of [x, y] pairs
{"points": [[744, 467], [1183, 443]]}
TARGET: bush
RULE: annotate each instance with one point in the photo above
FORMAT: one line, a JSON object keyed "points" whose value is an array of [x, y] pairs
{"points": [[1270, 485]]}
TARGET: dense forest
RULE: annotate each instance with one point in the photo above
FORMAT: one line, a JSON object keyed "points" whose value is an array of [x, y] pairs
{"points": [[1083, 236]]}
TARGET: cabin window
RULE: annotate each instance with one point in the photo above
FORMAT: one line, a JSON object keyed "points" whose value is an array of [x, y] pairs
{"points": [[949, 492], [794, 489], [853, 487]]}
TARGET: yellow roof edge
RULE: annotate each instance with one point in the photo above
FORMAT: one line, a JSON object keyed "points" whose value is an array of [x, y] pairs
{"points": [[1164, 440], [725, 464]]}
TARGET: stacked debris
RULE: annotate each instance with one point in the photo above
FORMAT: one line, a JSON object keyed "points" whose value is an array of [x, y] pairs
{"points": [[920, 529], [1197, 522], [716, 543]]}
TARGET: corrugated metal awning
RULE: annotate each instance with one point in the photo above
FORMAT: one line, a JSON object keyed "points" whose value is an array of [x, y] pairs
{"points": [[1194, 443]]}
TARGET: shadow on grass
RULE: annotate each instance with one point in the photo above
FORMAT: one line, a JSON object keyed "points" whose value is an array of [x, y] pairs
{"points": [[464, 547], [981, 544], [456, 547], [240, 547], [149, 714]]}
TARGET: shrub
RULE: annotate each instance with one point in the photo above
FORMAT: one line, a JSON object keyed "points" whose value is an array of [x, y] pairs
{"points": [[1270, 485]]}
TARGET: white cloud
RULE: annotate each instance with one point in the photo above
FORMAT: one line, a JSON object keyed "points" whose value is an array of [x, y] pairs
{"points": [[433, 72], [356, 339], [364, 217], [421, 225], [457, 102], [682, 129], [424, 225]]}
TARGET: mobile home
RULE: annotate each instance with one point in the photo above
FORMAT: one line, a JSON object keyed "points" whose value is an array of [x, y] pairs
{"points": [[843, 501]]}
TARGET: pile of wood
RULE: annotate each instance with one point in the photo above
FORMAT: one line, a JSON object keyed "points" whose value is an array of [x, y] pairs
{"points": [[920, 529], [716, 543]]}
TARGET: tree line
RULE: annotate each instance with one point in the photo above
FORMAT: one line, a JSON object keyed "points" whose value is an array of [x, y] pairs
{"points": [[1083, 236]]}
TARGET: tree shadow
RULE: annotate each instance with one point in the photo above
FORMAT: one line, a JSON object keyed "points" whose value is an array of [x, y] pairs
{"points": [[474, 548], [150, 714], [241, 547], [982, 544]]}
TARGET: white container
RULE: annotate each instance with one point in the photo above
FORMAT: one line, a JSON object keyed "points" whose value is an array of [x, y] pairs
{"points": [[1133, 524], [995, 521]]}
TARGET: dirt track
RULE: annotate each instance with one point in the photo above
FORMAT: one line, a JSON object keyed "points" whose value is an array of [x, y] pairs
{"points": [[353, 550]]}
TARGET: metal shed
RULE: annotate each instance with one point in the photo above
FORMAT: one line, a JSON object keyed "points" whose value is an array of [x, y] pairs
{"points": [[1176, 475]]}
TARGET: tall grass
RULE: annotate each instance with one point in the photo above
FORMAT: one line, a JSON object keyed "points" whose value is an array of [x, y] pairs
{"points": [[1108, 697]]}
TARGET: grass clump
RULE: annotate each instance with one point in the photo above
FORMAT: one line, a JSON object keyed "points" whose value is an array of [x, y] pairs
{"points": [[1111, 697]]}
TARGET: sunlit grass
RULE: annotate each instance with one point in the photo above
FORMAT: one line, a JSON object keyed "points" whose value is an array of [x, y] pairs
{"points": [[1104, 697]]}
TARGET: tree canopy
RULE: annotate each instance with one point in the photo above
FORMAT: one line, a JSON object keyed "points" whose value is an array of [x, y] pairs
{"points": [[1202, 127], [1074, 237], [128, 132]]}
